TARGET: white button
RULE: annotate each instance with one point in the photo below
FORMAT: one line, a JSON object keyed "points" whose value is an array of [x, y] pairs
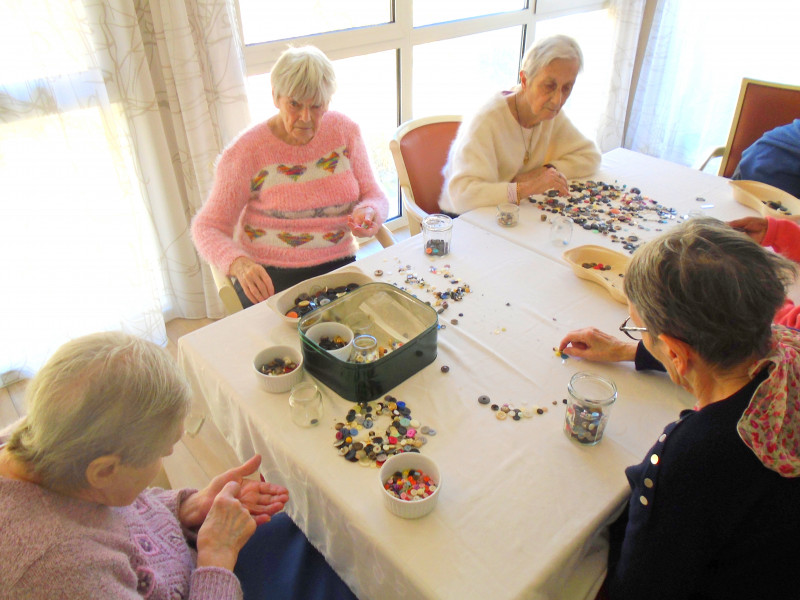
{"points": [[654, 459]]}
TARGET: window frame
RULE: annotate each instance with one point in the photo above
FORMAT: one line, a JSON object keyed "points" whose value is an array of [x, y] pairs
{"points": [[400, 35]]}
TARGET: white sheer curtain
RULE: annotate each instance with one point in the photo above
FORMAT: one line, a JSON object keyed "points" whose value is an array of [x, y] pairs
{"points": [[697, 54], [112, 113]]}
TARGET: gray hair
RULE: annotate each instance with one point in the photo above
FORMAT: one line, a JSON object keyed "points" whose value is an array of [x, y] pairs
{"points": [[101, 394], [710, 286], [549, 49], [304, 74]]}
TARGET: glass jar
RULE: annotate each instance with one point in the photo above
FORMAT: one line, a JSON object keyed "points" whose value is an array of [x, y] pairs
{"points": [[589, 405], [560, 230], [365, 349], [437, 231], [507, 214], [305, 404]]}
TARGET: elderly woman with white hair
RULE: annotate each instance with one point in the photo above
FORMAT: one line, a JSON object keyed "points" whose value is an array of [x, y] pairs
{"points": [[713, 512], [520, 142], [77, 517], [291, 193]]}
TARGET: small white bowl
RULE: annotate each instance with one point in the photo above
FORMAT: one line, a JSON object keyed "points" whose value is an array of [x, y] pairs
{"points": [[410, 509], [277, 384], [330, 330]]}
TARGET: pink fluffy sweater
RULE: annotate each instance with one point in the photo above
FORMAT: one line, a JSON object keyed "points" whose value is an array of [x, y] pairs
{"points": [[287, 206], [54, 546]]}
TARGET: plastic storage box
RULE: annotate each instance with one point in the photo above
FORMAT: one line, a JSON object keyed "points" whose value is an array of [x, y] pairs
{"points": [[406, 330]]}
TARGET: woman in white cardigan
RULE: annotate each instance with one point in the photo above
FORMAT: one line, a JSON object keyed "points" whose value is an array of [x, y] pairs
{"points": [[520, 143]]}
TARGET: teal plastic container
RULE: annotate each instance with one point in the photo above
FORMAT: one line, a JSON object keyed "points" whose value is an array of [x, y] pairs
{"points": [[405, 328]]}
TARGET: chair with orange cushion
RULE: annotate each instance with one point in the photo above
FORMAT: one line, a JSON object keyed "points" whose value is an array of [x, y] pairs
{"points": [[762, 106], [420, 149]]}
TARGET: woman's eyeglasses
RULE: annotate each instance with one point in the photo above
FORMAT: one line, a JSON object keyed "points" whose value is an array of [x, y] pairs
{"points": [[635, 333]]}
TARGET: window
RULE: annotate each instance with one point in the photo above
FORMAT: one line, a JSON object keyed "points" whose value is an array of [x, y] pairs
{"points": [[397, 60]]}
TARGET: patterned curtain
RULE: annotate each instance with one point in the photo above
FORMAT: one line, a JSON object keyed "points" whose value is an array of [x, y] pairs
{"points": [[112, 113]]}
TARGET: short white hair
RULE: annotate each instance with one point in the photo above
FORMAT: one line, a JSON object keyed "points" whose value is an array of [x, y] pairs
{"points": [[549, 49], [304, 74], [102, 394]]}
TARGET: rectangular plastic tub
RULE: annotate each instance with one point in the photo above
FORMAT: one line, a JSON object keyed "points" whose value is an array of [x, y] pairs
{"points": [[395, 318]]}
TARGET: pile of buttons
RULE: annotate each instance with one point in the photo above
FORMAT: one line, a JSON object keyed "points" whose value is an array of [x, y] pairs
{"points": [[305, 303], [441, 298], [606, 208], [509, 411], [278, 366], [404, 433], [411, 485]]}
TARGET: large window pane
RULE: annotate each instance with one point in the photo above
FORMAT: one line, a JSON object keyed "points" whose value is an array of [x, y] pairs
{"points": [[594, 32], [367, 93], [427, 12], [457, 76], [266, 21]]}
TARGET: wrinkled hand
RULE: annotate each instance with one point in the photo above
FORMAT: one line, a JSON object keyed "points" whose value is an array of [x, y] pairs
{"points": [[261, 500], [226, 529], [597, 346], [362, 222], [253, 278], [540, 180], [755, 227]]}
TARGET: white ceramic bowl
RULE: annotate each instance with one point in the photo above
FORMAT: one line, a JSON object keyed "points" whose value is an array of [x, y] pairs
{"points": [[277, 384], [410, 509], [332, 329]]}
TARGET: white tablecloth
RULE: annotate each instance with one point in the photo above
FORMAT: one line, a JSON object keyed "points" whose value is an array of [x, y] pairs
{"points": [[522, 507]]}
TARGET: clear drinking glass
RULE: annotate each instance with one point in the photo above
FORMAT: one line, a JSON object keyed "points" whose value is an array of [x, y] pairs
{"points": [[590, 400], [507, 214], [305, 404], [560, 230]]}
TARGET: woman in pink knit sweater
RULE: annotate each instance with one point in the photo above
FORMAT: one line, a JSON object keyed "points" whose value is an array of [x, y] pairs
{"points": [[76, 515], [290, 193]]}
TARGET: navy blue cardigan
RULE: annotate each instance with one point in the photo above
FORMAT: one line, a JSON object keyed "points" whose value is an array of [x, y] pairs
{"points": [[706, 519]]}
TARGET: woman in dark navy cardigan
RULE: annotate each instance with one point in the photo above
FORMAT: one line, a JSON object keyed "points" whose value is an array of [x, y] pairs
{"points": [[714, 511]]}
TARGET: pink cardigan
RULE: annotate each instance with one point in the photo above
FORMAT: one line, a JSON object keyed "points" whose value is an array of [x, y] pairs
{"points": [[54, 546], [287, 206]]}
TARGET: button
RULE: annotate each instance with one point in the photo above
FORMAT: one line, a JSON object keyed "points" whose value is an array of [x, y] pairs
{"points": [[662, 437], [648, 483], [501, 415], [484, 399], [654, 459], [643, 500]]}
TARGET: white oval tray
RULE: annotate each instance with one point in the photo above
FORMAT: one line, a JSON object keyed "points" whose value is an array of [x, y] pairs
{"points": [[758, 196], [612, 279], [283, 302]]}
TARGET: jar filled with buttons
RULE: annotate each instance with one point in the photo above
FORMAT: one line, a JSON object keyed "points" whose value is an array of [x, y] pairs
{"points": [[365, 349], [591, 397]]}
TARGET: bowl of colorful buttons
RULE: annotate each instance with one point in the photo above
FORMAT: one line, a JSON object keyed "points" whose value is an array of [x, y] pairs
{"points": [[410, 484], [602, 266], [279, 368], [335, 338], [765, 199], [311, 294]]}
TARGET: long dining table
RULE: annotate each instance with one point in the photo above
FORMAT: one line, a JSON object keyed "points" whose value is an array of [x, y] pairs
{"points": [[523, 509]]}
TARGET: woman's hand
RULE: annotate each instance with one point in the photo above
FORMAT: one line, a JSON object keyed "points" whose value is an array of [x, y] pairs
{"points": [[262, 500], [539, 181], [755, 227], [226, 529], [594, 345], [253, 278], [362, 222]]}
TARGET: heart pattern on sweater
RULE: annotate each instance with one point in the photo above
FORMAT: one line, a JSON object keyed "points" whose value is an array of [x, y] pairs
{"points": [[295, 239], [253, 233], [294, 172], [334, 237], [328, 163], [258, 180]]}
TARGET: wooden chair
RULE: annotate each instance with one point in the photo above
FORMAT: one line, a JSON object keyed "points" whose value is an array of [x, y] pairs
{"points": [[230, 299], [762, 106], [419, 148]]}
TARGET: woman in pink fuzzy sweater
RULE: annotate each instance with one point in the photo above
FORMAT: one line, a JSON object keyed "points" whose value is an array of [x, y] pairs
{"points": [[290, 193], [783, 236]]}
